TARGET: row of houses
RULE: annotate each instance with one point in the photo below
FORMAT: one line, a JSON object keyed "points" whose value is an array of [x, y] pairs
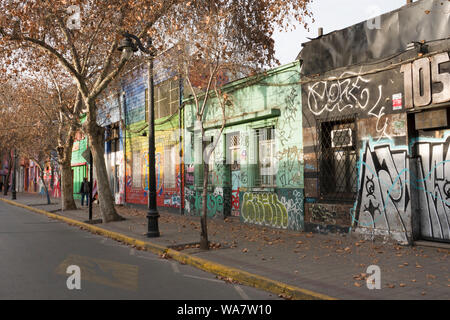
{"points": [[351, 137], [28, 176]]}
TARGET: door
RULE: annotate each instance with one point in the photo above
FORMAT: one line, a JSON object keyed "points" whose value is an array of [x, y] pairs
{"points": [[432, 184], [234, 161], [79, 172]]}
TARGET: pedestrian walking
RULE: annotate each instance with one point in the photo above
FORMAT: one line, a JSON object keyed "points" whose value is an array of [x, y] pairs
{"points": [[84, 190]]}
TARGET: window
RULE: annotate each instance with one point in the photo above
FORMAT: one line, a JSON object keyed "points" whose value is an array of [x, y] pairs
{"points": [[169, 166], [266, 157], [337, 159], [166, 98], [234, 155], [137, 170]]}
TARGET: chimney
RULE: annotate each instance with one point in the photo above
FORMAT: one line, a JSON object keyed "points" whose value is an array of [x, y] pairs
{"points": [[320, 32]]}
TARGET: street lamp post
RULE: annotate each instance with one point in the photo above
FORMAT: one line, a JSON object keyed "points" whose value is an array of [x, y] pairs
{"points": [[128, 47]]}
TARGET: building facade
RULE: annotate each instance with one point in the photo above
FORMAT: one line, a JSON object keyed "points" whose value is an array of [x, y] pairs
{"points": [[256, 168], [125, 117], [375, 126]]}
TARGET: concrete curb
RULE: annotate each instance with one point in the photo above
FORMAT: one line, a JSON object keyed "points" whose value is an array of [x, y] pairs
{"points": [[240, 276]]}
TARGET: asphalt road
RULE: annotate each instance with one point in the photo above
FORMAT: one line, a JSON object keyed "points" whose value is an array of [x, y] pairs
{"points": [[35, 253]]}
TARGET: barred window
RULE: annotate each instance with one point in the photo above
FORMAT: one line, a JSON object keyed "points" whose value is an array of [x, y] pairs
{"points": [[266, 157], [166, 98], [233, 151], [337, 159], [169, 166], [137, 170]]}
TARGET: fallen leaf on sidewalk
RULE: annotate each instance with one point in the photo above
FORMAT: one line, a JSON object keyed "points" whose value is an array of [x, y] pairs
{"points": [[390, 285], [402, 285], [244, 250], [285, 296], [357, 284]]}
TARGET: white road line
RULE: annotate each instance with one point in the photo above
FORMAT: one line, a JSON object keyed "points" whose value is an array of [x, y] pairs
{"points": [[174, 267], [241, 292], [201, 278]]}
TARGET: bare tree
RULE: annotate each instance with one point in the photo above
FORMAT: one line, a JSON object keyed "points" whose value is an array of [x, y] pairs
{"points": [[87, 49]]}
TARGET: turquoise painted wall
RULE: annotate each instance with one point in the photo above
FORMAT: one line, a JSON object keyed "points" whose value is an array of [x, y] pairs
{"points": [[270, 100]]}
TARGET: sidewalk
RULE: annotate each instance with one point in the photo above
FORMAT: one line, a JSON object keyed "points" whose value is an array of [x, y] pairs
{"points": [[333, 265]]}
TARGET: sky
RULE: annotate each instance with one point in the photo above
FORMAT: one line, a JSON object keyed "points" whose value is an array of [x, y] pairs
{"points": [[331, 15]]}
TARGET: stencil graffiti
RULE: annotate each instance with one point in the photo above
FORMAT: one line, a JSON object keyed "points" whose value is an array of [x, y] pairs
{"points": [[265, 209]]}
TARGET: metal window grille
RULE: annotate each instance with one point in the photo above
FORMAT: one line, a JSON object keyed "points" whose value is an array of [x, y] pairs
{"points": [[234, 152], [169, 173], [266, 157], [338, 159], [166, 98]]}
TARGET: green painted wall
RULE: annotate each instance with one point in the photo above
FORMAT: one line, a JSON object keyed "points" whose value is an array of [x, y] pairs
{"points": [[79, 171], [270, 100]]}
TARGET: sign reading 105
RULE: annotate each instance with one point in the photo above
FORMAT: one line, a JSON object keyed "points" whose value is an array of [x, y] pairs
{"points": [[419, 77]]}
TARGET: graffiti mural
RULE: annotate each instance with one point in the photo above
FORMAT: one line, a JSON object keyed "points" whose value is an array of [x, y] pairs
{"points": [[264, 208], [387, 184], [236, 184], [292, 199], [383, 191], [322, 214], [433, 184], [194, 202], [137, 168], [289, 167], [349, 94], [287, 128]]}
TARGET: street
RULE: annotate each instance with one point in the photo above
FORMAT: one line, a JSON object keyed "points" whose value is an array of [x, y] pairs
{"points": [[36, 251]]}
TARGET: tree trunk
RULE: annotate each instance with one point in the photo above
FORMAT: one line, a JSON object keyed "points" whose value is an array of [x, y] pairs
{"points": [[65, 158], [204, 243], [106, 199], [68, 203], [6, 186]]}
